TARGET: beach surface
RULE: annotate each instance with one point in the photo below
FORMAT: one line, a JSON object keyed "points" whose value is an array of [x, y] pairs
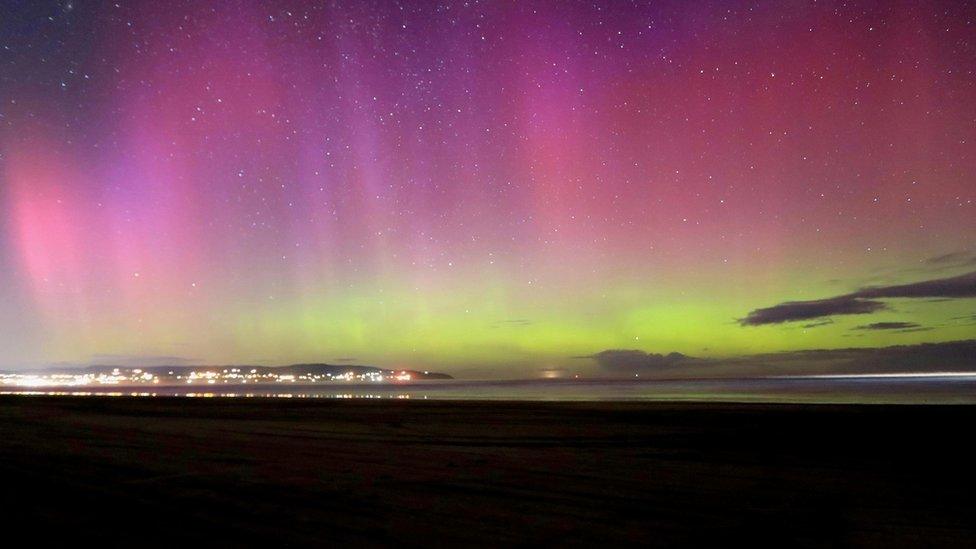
{"points": [[230, 472]]}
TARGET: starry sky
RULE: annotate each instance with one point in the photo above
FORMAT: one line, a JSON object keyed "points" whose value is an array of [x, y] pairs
{"points": [[486, 188]]}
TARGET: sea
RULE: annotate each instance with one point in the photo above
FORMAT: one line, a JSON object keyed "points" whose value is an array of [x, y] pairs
{"points": [[909, 388]]}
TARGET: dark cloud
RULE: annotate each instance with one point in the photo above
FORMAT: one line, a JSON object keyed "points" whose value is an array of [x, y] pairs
{"points": [[630, 361], [955, 287], [863, 301], [809, 310], [345, 359], [888, 326]]}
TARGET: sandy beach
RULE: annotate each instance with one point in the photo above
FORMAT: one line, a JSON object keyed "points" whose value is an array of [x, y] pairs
{"points": [[155, 471]]}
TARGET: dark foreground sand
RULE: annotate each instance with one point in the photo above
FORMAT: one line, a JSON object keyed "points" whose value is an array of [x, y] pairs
{"points": [[279, 472]]}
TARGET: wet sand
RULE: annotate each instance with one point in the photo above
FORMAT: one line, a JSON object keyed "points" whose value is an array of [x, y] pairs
{"points": [[156, 471]]}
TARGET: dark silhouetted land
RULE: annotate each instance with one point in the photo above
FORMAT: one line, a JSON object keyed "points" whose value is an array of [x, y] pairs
{"points": [[155, 471]]}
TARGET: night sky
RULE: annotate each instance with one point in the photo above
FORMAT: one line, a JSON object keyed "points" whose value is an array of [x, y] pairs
{"points": [[488, 188]]}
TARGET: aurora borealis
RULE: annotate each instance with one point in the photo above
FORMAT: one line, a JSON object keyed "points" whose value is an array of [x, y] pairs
{"points": [[489, 188]]}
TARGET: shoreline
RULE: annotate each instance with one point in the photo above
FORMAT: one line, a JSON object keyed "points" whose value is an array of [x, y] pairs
{"points": [[912, 390]]}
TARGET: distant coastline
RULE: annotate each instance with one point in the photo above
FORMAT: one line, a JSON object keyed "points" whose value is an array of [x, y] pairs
{"points": [[310, 373]]}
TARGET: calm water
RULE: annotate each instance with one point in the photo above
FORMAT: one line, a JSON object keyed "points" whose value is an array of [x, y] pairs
{"points": [[955, 389]]}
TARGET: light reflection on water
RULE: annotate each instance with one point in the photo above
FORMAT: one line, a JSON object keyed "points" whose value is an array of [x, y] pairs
{"points": [[955, 388]]}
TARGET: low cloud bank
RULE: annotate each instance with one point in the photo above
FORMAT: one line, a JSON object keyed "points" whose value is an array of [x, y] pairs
{"points": [[953, 356]]}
